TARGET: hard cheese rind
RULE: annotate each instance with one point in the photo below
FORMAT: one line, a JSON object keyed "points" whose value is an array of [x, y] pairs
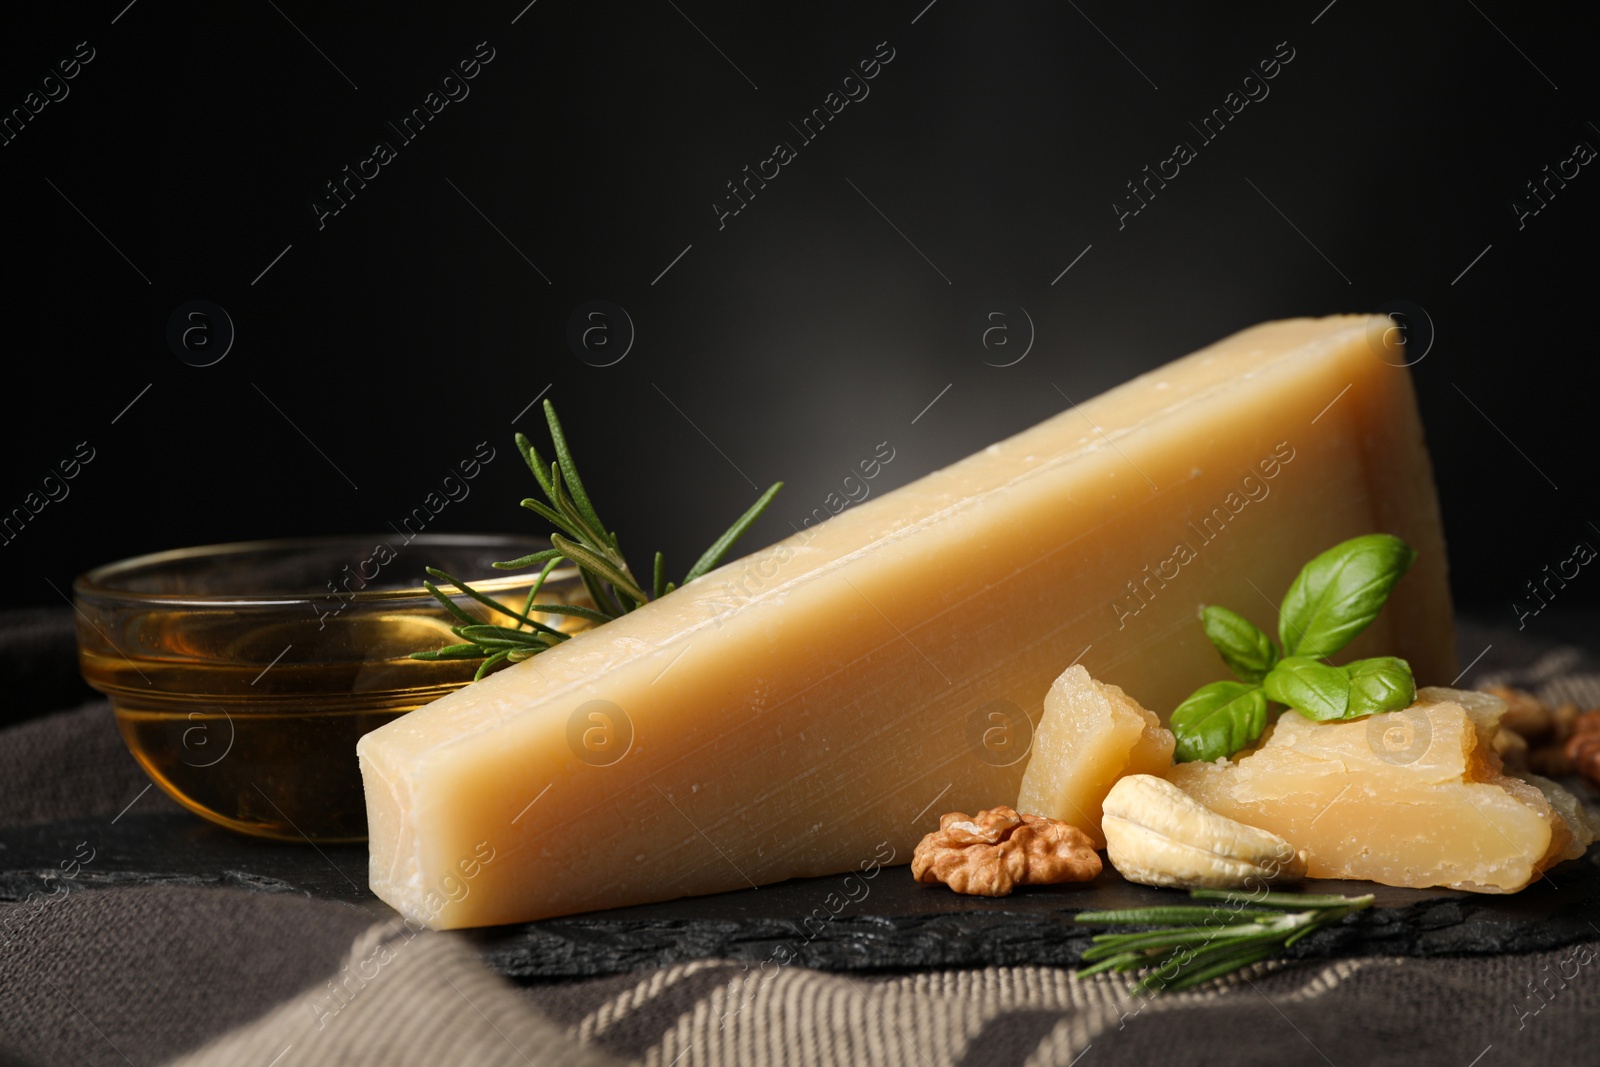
{"points": [[814, 707]]}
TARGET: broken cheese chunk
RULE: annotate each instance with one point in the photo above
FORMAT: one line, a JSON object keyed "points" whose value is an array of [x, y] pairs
{"points": [[1414, 797], [812, 708], [1091, 735]]}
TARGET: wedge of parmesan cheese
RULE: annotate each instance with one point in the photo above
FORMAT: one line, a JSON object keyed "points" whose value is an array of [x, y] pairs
{"points": [[815, 707]]}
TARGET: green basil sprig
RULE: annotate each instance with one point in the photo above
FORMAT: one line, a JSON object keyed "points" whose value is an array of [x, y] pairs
{"points": [[1219, 718], [1310, 686], [1247, 651], [1383, 683], [1334, 598], [1337, 594]]}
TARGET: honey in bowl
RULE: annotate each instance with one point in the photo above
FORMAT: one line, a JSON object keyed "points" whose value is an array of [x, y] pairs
{"points": [[241, 676]]}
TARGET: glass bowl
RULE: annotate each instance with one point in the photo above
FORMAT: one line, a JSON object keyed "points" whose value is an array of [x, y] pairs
{"points": [[242, 675]]}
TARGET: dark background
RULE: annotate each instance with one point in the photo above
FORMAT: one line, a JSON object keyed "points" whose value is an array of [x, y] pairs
{"points": [[823, 319]]}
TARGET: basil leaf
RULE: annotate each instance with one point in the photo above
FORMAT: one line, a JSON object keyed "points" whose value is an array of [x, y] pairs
{"points": [[1337, 594], [1247, 651], [1218, 720], [1310, 687], [1383, 683]]}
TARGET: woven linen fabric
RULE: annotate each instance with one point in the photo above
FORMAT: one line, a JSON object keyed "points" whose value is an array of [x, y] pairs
{"points": [[1369, 1011], [440, 1007], [147, 974], [134, 974], [71, 765]]}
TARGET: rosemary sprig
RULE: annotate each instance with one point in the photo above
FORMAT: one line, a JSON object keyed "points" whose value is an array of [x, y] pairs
{"points": [[1210, 940], [580, 537]]}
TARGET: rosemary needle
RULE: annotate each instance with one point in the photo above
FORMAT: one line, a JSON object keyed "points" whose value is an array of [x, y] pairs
{"points": [[1210, 940], [581, 538]]}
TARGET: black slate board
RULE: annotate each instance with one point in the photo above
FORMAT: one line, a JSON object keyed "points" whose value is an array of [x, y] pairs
{"points": [[896, 925]]}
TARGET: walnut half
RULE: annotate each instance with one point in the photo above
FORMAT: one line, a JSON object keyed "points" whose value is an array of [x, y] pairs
{"points": [[1557, 738], [1583, 746], [991, 853]]}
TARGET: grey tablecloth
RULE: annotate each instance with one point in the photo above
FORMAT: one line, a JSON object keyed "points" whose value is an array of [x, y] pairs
{"points": [[159, 974]]}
